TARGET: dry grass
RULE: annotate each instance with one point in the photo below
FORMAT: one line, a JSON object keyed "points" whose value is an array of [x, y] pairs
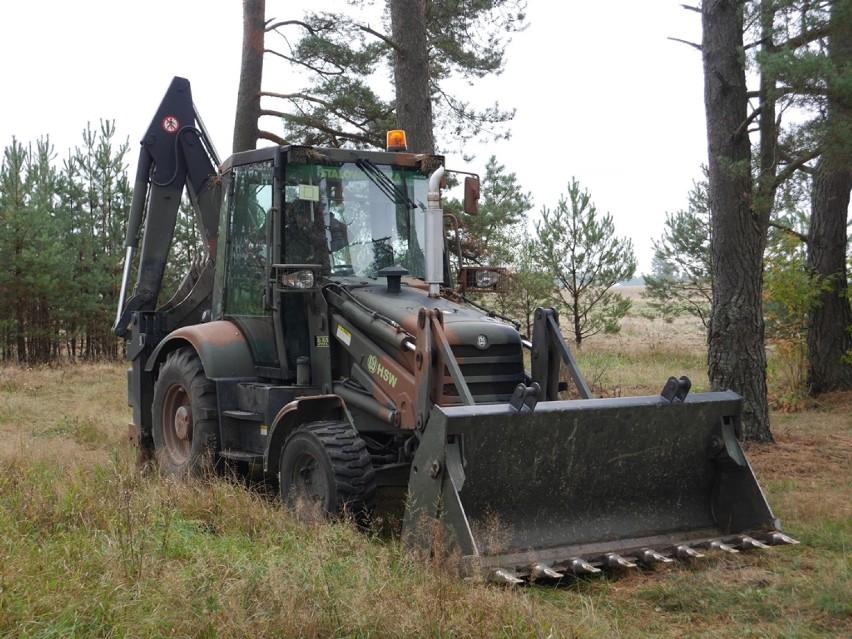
{"points": [[90, 545], [644, 354], [65, 415]]}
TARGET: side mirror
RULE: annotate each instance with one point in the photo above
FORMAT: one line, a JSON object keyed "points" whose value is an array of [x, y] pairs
{"points": [[471, 195]]}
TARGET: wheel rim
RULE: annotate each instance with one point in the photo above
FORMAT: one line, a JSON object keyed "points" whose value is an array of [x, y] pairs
{"points": [[308, 482], [177, 424]]}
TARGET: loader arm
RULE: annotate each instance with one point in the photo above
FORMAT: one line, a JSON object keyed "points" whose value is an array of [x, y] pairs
{"points": [[176, 154]]}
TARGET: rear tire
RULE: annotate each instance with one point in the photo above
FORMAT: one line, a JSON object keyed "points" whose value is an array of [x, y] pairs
{"points": [[326, 470], [185, 424]]}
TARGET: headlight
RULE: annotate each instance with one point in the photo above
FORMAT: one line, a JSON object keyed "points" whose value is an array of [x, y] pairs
{"points": [[298, 279], [486, 278], [481, 279]]}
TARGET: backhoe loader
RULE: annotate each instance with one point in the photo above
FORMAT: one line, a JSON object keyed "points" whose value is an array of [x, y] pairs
{"points": [[323, 341]]}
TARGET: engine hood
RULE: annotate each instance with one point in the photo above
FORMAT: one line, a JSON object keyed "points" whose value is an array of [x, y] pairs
{"points": [[462, 324]]}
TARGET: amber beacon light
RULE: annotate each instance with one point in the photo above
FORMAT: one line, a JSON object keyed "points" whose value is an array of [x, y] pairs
{"points": [[396, 140]]}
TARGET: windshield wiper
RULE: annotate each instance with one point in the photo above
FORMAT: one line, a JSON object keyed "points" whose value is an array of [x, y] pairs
{"points": [[385, 184]]}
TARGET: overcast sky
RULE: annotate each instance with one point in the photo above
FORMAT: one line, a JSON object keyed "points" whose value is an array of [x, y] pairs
{"points": [[602, 94]]}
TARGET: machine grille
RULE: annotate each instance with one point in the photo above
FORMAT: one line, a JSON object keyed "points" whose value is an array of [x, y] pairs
{"points": [[491, 374]]}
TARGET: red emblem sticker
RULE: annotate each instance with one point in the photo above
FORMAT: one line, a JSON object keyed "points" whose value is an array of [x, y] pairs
{"points": [[170, 124]]}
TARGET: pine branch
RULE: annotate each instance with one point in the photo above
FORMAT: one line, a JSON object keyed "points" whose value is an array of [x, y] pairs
{"points": [[333, 133], [387, 40], [287, 23], [298, 62], [795, 165], [806, 38], [309, 98], [694, 45], [744, 126], [784, 91], [786, 229], [266, 135]]}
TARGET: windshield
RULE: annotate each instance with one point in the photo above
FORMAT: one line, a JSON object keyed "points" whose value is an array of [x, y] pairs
{"points": [[355, 219]]}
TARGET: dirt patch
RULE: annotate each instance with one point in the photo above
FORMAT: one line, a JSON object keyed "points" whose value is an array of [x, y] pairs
{"points": [[809, 444], [801, 456]]}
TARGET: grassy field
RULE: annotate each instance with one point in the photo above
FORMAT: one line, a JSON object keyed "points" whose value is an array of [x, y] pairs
{"points": [[92, 546]]}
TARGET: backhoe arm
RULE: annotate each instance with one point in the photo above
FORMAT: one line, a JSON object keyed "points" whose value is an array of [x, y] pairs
{"points": [[176, 153]]}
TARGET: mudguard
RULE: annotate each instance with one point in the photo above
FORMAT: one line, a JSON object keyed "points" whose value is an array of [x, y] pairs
{"points": [[223, 349]]}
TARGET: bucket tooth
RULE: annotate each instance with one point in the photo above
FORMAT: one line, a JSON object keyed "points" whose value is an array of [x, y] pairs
{"points": [[648, 556], [779, 539], [749, 543], [505, 577], [541, 571], [611, 560], [687, 552], [715, 544], [581, 566]]}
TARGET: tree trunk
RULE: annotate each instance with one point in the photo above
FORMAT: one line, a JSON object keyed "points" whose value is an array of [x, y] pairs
{"points": [[251, 72], [411, 74], [736, 352], [829, 337]]}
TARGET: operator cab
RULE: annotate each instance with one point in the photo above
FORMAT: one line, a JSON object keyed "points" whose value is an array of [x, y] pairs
{"points": [[297, 218]]}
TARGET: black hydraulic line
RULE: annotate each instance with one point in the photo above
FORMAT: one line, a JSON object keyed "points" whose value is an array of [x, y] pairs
{"points": [[140, 197], [177, 162], [342, 291]]}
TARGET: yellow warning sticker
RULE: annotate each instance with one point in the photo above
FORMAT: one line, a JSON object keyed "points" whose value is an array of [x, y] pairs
{"points": [[344, 336]]}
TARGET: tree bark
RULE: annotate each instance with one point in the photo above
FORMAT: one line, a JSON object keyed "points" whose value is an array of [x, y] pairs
{"points": [[251, 73], [736, 352], [829, 337], [411, 74]]}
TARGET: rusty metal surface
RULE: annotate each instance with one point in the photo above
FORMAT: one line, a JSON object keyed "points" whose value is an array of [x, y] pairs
{"points": [[223, 349], [301, 410]]}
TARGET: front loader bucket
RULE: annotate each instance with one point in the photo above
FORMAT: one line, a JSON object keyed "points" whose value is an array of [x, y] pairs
{"points": [[575, 485]]}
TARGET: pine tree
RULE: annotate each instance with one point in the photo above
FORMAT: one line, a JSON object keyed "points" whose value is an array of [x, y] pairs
{"points": [[579, 248], [29, 272], [529, 285], [682, 278], [490, 237], [97, 196], [421, 44]]}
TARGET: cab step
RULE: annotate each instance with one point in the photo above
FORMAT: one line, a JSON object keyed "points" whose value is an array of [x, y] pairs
{"points": [[241, 456], [243, 415]]}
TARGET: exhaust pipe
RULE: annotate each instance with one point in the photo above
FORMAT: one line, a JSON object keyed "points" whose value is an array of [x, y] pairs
{"points": [[435, 234]]}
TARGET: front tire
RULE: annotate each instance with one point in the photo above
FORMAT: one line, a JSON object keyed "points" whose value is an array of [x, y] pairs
{"points": [[326, 470], [185, 416]]}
